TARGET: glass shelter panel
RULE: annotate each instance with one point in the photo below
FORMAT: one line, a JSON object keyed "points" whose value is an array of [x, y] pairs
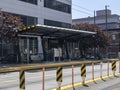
{"points": [[28, 49]]}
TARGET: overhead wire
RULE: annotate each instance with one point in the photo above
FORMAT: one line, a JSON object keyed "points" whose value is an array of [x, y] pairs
{"points": [[86, 10], [82, 7], [81, 11]]}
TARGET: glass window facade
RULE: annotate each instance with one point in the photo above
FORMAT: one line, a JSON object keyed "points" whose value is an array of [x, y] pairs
{"points": [[6, 49], [28, 20], [56, 23], [31, 20], [56, 5], [30, 1]]}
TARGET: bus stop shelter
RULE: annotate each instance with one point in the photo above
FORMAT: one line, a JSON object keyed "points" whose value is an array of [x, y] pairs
{"points": [[49, 43]]}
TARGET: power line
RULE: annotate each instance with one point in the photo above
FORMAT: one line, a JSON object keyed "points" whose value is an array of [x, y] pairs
{"points": [[83, 8], [80, 6], [81, 11]]}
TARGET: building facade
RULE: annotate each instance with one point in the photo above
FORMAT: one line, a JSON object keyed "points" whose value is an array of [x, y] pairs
{"points": [[113, 20], [114, 47], [48, 12]]}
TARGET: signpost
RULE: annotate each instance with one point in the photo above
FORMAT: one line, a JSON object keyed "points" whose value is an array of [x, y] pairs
{"points": [[57, 53]]}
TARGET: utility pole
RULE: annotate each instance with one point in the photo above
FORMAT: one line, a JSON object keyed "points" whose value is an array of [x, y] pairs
{"points": [[97, 48], [106, 20], [106, 26], [94, 18], [94, 49]]}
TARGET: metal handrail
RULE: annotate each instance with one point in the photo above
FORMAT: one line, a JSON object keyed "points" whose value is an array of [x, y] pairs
{"points": [[34, 67]]}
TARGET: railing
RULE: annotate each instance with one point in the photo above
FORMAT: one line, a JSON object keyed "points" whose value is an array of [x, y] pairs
{"points": [[59, 72]]}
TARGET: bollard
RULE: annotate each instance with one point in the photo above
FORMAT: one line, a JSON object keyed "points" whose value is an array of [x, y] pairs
{"points": [[43, 78], [59, 77], [83, 73], [101, 69], [72, 74], [22, 80], [114, 67], [108, 68], [93, 71]]}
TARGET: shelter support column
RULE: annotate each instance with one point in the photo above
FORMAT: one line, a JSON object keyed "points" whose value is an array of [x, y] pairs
{"points": [[28, 51], [66, 48], [40, 46], [43, 48]]}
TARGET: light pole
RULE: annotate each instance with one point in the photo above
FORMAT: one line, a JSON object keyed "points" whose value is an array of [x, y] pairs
{"points": [[106, 24]]}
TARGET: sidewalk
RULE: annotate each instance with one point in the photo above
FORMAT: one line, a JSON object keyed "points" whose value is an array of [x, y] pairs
{"points": [[106, 84]]}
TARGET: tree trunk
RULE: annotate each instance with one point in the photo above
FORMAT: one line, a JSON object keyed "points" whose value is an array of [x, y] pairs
{"points": [[17, 53]]}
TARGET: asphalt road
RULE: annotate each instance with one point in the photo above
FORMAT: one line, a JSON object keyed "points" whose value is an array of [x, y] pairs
{"points": [[10, 81]]}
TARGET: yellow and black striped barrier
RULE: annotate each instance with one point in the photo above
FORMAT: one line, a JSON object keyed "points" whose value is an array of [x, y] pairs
{"points": [[59, 74], [27, 28], [114, 67], [22, 80], [83, 70], [83, 73], [59, 77]]}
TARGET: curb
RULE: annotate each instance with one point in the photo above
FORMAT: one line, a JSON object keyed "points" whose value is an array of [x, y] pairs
{"points": [[86, 82]]}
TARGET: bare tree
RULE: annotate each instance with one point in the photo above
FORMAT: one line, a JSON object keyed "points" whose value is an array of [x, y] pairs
{"points": [[100, 40], [9, 28]]}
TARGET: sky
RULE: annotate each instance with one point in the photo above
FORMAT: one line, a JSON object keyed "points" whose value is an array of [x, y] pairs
{"points": [[85, 8]]}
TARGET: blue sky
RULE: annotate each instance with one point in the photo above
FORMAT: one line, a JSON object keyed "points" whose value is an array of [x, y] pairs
{"points": [[85, 8]]}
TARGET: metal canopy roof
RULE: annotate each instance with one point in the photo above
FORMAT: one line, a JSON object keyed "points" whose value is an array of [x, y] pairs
{"points": [[55, 32]]}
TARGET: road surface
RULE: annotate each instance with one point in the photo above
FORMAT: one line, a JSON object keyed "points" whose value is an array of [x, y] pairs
{"points": [[10, 81]]}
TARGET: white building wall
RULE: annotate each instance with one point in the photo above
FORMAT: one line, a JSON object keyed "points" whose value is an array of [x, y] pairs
{"points": [[23, 8]]}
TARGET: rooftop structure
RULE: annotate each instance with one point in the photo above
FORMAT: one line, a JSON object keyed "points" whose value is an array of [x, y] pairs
{"points": [[113, 20]]}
